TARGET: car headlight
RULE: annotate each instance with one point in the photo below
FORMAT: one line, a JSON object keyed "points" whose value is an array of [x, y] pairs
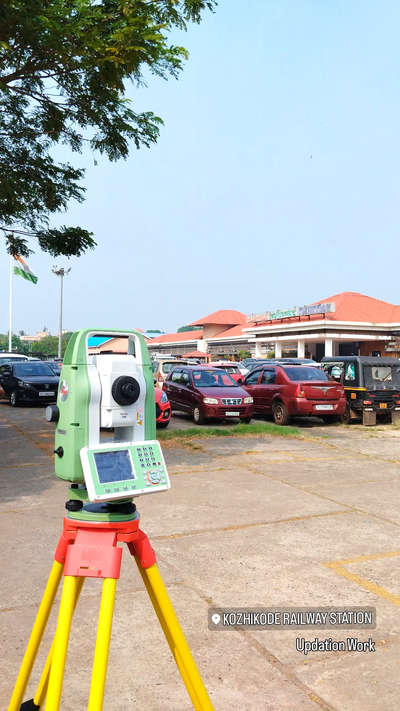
{"points": [[248, 400], [164, 397], [27, 386], [210, 400]]}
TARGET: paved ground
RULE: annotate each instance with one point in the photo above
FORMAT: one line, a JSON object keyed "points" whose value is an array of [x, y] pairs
{"points": [[260, 521]]}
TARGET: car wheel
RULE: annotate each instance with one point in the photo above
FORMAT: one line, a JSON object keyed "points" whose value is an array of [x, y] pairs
{"points": [[14, 399], [162, 425], [198, 416], [246, 420], [280, 414]]}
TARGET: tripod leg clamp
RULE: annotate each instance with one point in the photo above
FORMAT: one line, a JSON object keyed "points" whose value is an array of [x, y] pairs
{"points": [[141, 548]]}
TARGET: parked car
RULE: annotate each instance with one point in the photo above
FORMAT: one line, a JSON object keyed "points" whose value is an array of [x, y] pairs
{"points": [[370, 384], [55, 365], [298, 361], [163, 408], [287, 391], [30, 381], [207, 393], [248, 364], [11, 358], [161, 368], [229, 367]]}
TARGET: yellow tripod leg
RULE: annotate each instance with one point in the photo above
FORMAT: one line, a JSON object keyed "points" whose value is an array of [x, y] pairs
{"points": [[44, 679], [102, 645], [178, 660], [59, 655], [36, 635], [175, 638]]}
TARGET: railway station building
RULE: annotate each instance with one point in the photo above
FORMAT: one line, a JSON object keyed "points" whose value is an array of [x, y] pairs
{"points": [[348, 323]]}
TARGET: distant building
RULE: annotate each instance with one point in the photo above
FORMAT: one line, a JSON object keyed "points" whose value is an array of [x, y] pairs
{"points": [[99, 344], [218, 334], [38, 337], [344, 324]]}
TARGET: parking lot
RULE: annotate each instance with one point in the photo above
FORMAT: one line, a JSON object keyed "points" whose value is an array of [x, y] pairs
{"points": [[255, 521]]}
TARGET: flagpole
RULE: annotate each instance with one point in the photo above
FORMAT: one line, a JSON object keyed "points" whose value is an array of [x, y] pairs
{"points": [[11, 295]]}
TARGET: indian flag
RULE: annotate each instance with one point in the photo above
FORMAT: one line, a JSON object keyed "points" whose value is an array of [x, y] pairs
{"points": [[23, 270]]}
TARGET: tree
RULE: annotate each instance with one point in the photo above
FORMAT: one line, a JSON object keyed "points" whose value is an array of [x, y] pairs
{"points": [[63, 70], [48, 345], [16, 343], [244, 354]]}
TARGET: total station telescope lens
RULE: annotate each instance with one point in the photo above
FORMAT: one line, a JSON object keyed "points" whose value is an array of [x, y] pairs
{"points": [[125, 390]]}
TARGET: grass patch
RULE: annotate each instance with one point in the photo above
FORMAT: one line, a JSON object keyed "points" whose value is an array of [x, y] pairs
{"points": [[256, 428]]}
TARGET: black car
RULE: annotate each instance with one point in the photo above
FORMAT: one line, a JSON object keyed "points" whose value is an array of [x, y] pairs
{"points": [[55, 365], [372, 385], [28, 381]]}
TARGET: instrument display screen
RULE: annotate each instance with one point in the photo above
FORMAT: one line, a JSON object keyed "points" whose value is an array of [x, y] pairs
{"points": [[114, 466]]}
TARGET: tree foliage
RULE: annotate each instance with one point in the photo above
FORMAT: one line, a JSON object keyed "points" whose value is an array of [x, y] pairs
{"points": [[63, 71], [47, 346]]}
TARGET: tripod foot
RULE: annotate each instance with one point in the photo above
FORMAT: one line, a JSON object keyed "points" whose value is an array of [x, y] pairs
{"points": [[29, 706]]}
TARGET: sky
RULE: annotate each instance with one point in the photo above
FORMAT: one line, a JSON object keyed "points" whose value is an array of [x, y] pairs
{"points": [[275, 181]]}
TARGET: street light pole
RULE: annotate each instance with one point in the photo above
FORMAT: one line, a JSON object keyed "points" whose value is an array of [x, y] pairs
{"points": [[61, 272]]}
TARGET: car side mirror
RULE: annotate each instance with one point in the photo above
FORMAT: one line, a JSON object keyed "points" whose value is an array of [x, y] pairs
{"points": [[240, 381]]}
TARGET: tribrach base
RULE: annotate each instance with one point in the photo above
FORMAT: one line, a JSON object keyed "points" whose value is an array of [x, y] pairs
{"points": [[89, 549]]}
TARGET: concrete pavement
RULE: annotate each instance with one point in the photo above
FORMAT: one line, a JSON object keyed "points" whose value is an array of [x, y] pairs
{"points": [[258, 521]]}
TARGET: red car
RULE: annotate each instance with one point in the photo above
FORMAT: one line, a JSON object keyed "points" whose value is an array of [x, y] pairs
{"points": [[163, 408], [229, 367], [206, 393], [287, 391]]}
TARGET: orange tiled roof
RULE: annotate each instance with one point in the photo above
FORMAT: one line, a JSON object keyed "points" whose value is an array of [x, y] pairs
{"points": [[222, 318], [174, 337], [349, 306], [352, 306], [231, 332]]}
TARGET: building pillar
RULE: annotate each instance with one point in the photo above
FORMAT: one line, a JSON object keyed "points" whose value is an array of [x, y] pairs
{"points": [[328, 346], [278, 349], [301, 348], [257, 351]]}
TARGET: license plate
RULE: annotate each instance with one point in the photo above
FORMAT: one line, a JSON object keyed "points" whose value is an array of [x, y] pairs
{"points": [[46, 393], [383, 405], [232, 414], [324, 407]]}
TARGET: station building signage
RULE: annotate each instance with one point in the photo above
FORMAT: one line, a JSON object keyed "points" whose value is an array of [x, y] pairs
{"points": [[296, 311]]}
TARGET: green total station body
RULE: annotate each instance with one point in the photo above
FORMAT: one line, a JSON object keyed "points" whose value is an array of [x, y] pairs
{"points": [[86, 396]]}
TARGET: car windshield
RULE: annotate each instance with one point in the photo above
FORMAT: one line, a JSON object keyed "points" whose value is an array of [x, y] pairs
{"points": [[376, 374], [213, 379], [28, 370], [55, 368], [166, 367], [303, 373]]}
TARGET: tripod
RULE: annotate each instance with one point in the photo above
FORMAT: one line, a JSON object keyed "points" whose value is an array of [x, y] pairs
{"points": [[89, 549]]}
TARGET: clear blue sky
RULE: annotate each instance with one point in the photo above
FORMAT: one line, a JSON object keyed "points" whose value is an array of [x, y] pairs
{"points": [[275, 180]]}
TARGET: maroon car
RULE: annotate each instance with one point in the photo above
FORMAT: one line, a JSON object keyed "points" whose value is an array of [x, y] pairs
{"points": [[287, 391], [207, 393]]}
